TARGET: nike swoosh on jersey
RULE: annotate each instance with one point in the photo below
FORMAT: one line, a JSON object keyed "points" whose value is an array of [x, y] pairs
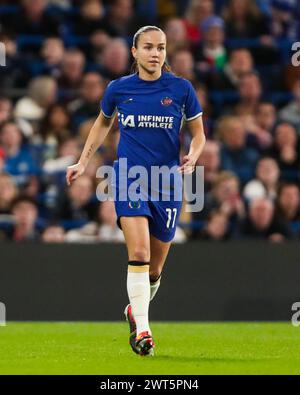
{"points": [[127, 101]]}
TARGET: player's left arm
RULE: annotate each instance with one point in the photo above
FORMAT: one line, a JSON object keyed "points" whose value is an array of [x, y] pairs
{"points": [[196, 146]]}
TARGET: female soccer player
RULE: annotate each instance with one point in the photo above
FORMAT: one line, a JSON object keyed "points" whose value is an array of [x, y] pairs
{"points": [[151, 104]]}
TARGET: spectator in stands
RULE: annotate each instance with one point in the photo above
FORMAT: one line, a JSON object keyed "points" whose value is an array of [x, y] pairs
{"points": [[56, 124], [196, 12], [165, 9], [240, 63], [108, 229], [25, 213], [68, 153], [216, 228], [121, 20], [54, 130], [11, 48], [289, 74], [2, 157], [53, 234], [291, 112], [236, 156], [224, 197], [84, 130], [71, 73], [69, 148], [266, 182], [77, 204], [14, 74], [210, 159], [285, 150], [40, 96], [52, 54], [18, 160], [5, 109], [84, 234], [89, 18], [262, 223], [211, 54], [203, 96], [226, 192], [87, 105], [266, 116], [8, 192], [288, 202], [244, 20], [97, 42], [261, 125], [285, 19], [65, 4], [176, 36], [34, 19], [182, 64], [32, 187], [250, 90], [114, 60]]}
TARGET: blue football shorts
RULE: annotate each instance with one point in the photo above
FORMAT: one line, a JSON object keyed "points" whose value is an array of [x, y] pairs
{"points": [[163, 216]]}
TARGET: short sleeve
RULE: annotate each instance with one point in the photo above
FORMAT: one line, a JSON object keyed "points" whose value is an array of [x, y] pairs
{"points": [[108, 102], [192, 108]]}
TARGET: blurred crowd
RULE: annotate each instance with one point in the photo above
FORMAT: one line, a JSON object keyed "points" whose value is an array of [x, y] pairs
{"points": [[60, 56]]}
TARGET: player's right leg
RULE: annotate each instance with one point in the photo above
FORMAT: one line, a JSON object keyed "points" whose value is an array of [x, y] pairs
{"points": [[137, 237]]}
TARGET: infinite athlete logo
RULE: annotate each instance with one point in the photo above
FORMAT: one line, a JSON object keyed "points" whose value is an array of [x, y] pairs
{"points": [[167, 101], [147, 121]]}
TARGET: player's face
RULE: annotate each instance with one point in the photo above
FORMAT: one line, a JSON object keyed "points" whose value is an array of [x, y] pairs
{"points": [[150, 53]]}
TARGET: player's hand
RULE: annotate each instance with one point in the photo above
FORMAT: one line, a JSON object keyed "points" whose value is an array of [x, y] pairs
{"points": [[187, 165], [74, 172]]}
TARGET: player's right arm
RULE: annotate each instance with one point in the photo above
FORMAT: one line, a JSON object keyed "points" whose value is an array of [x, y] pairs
{"points": [[95, 138]]}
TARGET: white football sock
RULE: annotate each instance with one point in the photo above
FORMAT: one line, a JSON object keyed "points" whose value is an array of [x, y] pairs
{"points": [[154, 288], [138, 288]]}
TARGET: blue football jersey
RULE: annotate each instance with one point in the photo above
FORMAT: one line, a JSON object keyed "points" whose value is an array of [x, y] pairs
{"points": [[150, 115]]}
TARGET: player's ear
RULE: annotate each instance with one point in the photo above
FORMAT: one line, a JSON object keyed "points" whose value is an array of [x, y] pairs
{"points": [[133, 51]]}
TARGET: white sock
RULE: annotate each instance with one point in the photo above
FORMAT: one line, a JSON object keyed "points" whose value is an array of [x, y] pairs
{"points": [[138, 288], [154, 288]]}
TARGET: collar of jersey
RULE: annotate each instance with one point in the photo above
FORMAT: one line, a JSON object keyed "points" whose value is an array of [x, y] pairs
{"points": [[152, 81]]}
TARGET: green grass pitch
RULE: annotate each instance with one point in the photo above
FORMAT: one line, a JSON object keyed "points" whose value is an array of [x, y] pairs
{"points": [[181, 348]]}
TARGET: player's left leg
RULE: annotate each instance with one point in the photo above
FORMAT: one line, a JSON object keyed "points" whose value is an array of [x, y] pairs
{"points": [[158, 254], [162, 227]]}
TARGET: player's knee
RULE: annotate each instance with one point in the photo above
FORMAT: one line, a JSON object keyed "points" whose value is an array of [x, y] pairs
{"points": [[140, 254]]}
